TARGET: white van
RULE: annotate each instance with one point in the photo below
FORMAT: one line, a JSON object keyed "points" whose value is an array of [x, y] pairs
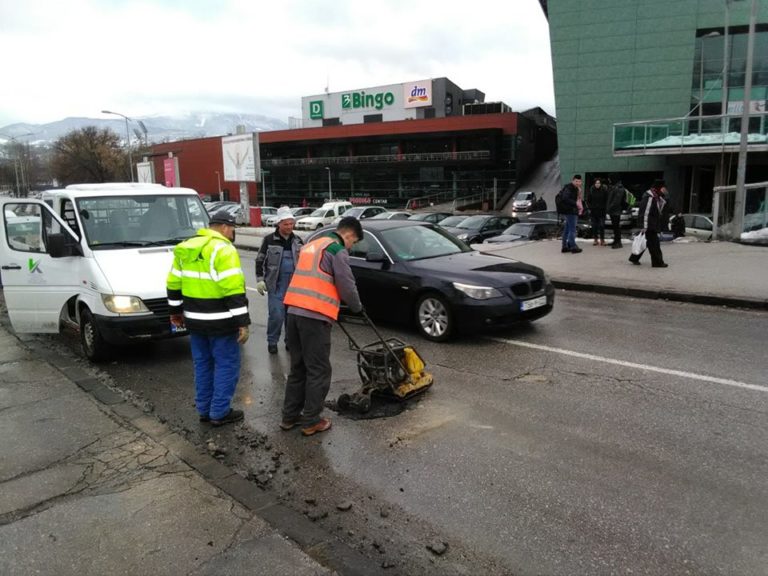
{"points": [[96, 257], [323, 216]]}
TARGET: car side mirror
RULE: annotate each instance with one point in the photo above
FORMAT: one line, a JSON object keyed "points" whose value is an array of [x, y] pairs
{"points": [[375, 256], [62, 245]]}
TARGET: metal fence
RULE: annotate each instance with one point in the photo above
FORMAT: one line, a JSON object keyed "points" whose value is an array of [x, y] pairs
{"points": [[755, 223]]}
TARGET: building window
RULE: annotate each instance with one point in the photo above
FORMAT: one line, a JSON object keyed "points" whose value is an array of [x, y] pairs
{"points": [[331, 122], [368, 118]]}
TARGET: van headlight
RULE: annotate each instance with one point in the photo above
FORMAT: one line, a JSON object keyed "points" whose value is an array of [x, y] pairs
{"points": [[123, 304], [477, 292]]}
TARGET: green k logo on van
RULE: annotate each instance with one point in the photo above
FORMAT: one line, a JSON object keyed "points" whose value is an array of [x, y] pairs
{"points": [[34, 266]]}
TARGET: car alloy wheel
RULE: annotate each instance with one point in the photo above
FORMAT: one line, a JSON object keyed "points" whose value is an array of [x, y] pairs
{"points": [[433, 317]]}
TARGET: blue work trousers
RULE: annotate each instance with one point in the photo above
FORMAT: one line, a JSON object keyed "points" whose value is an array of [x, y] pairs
{"points": [[275, 307], [217, 369]]}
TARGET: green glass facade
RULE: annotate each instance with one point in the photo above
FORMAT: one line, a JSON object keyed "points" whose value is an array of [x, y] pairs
{"points": [[656, 69]]}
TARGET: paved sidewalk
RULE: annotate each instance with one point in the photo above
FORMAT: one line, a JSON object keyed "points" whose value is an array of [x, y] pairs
{"points": [[719, 273], [91, 485]]}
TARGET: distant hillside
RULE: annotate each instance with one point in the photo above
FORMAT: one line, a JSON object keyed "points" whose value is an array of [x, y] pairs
{"points": [[158, 128]]}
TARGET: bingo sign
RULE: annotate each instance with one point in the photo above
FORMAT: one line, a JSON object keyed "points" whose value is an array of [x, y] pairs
{"points": [[417, 94]]}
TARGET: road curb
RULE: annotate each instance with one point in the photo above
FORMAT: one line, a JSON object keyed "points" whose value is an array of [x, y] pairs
{"points": [[312, 539], [662, 294]]}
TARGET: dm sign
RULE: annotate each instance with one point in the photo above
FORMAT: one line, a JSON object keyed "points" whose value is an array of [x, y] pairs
{"points": [[354, 100]]}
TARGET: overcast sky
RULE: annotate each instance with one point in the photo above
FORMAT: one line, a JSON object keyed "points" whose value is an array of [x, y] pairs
{"points": [[152, 57]]}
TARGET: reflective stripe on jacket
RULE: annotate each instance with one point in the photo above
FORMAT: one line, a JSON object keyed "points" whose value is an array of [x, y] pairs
{"points": [[207, 285], [310, 287]]}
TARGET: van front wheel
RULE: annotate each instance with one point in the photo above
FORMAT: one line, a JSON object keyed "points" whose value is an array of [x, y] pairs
{"points": [[95, 348]]}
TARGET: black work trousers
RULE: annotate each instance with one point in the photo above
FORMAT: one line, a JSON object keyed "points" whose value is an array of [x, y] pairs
{"points": [[308, 383]]}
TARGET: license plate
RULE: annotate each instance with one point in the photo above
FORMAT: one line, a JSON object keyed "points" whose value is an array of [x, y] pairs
{"points": [[533, 303]]}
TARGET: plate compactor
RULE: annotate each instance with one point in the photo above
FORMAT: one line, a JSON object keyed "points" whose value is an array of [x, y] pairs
{"points": [[388, 367]]}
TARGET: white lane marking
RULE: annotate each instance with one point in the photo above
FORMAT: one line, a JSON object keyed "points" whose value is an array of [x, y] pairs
{"points": [[691, 375]]}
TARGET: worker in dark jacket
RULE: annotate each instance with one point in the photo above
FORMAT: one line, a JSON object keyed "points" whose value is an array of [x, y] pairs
{"points": [[651, 209], [321, 281], [275, 263], [206, 295], [568, 207]]}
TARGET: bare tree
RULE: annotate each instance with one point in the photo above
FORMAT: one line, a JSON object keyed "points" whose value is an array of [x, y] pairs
{"points": [[89, 155]]}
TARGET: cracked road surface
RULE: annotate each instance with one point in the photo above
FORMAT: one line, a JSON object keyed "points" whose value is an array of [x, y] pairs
{"points": [[522, 460]]}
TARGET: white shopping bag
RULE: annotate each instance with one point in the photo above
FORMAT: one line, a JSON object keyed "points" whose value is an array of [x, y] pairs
{"points": [[638, 244]]}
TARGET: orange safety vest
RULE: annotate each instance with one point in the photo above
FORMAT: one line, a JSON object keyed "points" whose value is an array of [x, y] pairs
{"points": [[310, 287]]}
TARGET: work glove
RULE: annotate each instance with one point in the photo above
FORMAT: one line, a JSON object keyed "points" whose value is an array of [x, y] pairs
{"points": [[177, 320], [261, 287], [242, 334]]}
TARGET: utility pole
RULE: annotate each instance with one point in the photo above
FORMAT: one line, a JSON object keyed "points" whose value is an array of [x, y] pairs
{"points": [[741, 172]]}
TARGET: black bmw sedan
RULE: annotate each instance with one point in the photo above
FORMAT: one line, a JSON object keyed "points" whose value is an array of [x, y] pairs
{"points": [[416, 273]]}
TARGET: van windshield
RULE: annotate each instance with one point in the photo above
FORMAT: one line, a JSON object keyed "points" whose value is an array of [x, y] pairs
{"points": [[146, 220]]}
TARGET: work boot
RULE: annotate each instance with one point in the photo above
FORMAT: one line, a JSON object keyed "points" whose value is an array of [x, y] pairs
{"points": [[616, 245], [576, 250], [635, 260], [321, 426], [272, 348], [662, 265], [232, 416]]}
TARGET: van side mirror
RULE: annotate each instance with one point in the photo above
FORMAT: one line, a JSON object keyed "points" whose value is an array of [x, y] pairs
{"points": [[62, 245]]}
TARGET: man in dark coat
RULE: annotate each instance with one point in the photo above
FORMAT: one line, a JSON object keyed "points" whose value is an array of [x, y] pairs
{"points": [[616, 199], [597, 199]]}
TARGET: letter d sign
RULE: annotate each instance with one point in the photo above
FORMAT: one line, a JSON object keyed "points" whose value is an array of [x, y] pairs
{"points": [[316, 110]]}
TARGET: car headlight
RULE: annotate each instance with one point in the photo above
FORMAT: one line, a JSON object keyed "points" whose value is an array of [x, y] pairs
{"points": [[477, 292], [123, 304], [462, 236]]}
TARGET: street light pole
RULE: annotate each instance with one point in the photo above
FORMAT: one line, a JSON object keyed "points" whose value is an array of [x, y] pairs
{"points": [[128, 136], [264, 187], [330, 190], [218, 180]]}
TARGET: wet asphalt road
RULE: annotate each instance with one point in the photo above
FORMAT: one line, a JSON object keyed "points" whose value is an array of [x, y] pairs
{"points": [[525, 460]]}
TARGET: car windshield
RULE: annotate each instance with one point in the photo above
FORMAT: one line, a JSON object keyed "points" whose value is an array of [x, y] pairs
{"points": [[420, 242], [519, 229], [319, 213], [473, 222], [452, 220], [140, 220], [354, 212], [422, 216], [524, 196]]}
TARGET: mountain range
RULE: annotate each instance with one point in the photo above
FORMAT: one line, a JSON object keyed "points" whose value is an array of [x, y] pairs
{"points": [[158, 128]]}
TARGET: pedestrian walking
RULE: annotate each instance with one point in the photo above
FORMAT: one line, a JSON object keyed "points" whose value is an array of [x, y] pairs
{"points": [[597, 201], [275, 264], [321, 281], [206, 295], [651, 209], [614, 206], [568, 206]]}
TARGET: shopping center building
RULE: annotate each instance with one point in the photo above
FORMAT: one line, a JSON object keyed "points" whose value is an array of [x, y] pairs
{"points": [[385, 145], [649, 89]]}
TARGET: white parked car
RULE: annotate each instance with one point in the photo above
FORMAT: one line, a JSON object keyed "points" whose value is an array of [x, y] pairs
{"points": [[362, 212], [323, 216], [297, 213]]}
